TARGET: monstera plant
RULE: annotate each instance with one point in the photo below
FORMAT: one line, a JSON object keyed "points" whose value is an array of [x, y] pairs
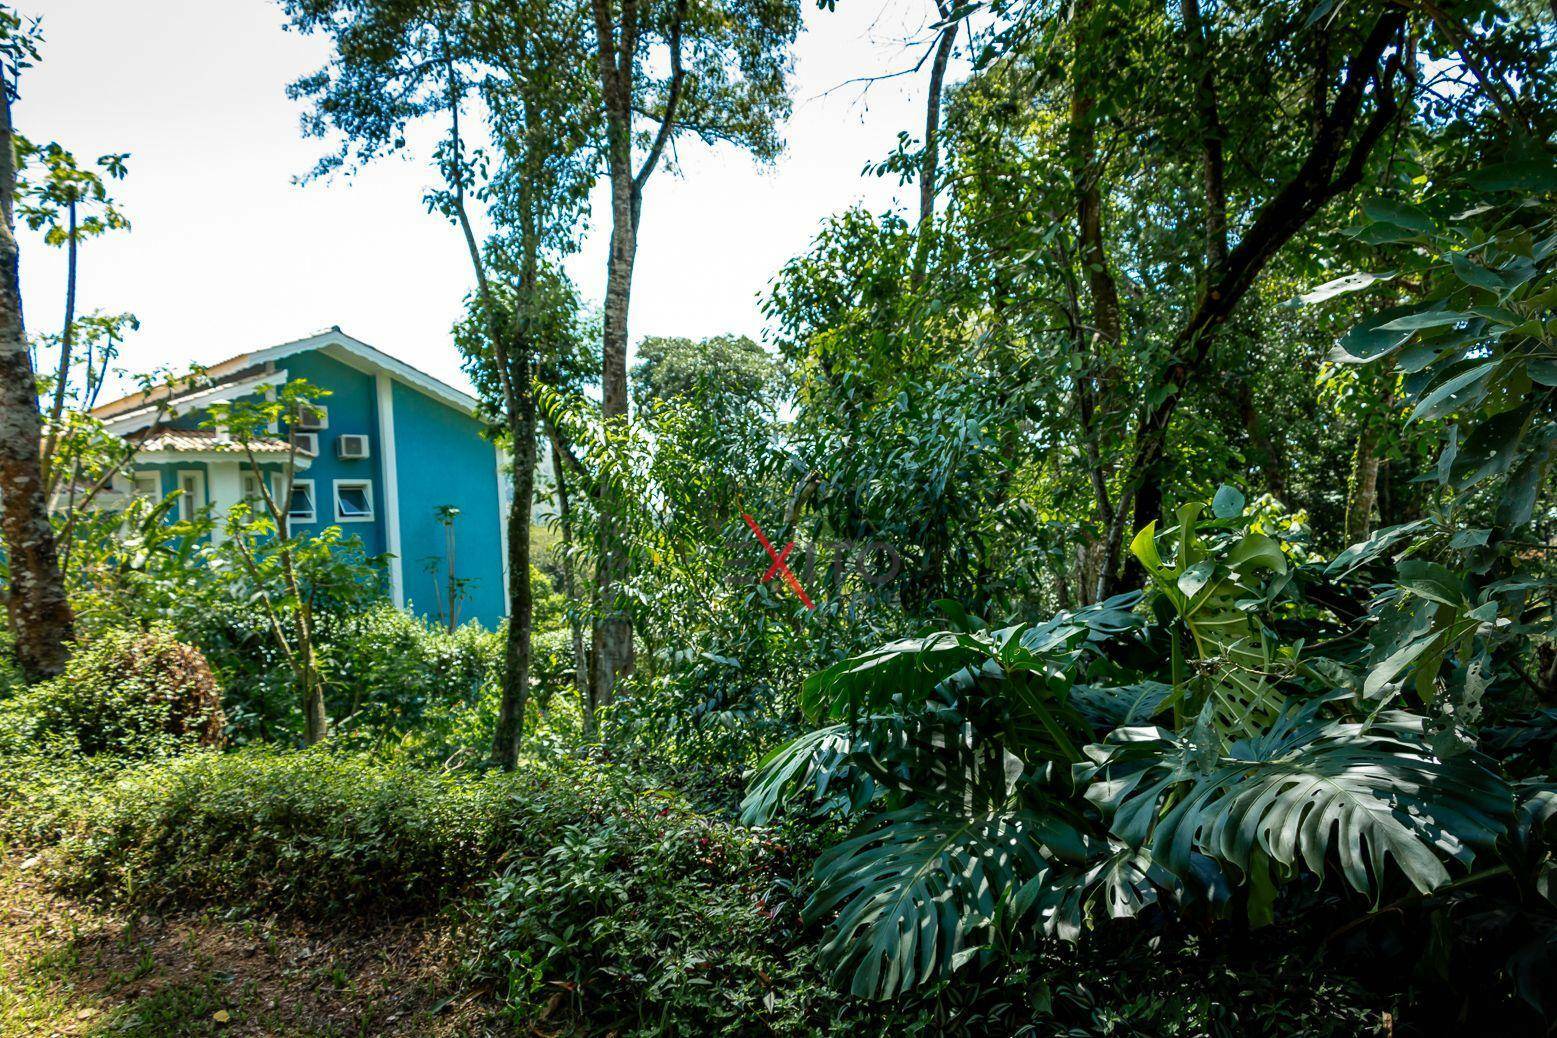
{"points": [[1190, 744]]}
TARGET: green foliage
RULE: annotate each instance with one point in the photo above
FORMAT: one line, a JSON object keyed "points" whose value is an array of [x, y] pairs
{"points": [[307, 832], [386, 669], [652, 919], [57, 195], [1008, 785], [671, 366], [126, 694]]}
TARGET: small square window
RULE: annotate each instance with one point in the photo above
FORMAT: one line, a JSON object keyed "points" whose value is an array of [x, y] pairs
{"points": [[148, 485], [301, 508], [353, 501]]}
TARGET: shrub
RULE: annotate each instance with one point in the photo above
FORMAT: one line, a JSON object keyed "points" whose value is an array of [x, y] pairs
{"points": [[312, 832], [386, 668], [591, 896], [322, 832], [654, 919], [127, 694], [43, 791]]}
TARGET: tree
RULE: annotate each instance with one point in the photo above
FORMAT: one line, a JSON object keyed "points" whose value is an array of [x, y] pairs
{"points": [[37, 607], [715, 71], [267, 549], [69, 204], [397, 62], [672, 366]]}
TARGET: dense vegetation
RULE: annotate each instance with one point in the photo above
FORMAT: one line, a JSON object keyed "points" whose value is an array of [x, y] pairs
{"points": [[1166, 644]]}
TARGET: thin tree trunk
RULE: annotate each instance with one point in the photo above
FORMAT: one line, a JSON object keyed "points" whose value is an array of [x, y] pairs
{"points": [[930, 166], [518, 358], [513, 362], [302, 658], [1199, 45], [66, 341], [1364, 490], [36, 606], [316, 721], [612, 635], [1106, 330], [521, 612]]}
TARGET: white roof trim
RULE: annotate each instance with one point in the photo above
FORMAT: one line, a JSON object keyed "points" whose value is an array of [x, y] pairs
{"points": [[237, 457], [140, 418], [360, 355]]}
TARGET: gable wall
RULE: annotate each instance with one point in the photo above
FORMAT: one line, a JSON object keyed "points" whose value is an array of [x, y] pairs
{"points": [[442, 459]]}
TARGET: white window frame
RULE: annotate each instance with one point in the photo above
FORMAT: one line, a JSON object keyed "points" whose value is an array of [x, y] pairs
{"points": [[311, 516], [319, 409], [190, 502], [138, 481], [367, 490], [313, 437]]}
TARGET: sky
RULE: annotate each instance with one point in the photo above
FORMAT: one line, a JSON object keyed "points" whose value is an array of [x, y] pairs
{"points": [[228, 253]]}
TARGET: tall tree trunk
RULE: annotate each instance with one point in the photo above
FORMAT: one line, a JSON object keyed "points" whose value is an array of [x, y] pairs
{"points": [[513, 360], [1362, 489], [1103, 328], [1363, 492], [66, 341], [521, 607], [617, 61], [930, 165], [612, 635], [36, 606], [1198, 43], [316, 720], [518, 357]]}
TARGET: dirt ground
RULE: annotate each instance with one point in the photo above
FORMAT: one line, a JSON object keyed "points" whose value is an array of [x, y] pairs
{"points": [[73, 969]]}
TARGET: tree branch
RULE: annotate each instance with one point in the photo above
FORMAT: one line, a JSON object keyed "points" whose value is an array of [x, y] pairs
{"points": [[672, 98]]}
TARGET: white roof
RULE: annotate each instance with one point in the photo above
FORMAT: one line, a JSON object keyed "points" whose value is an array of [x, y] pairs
{"points": [[245, 373]]}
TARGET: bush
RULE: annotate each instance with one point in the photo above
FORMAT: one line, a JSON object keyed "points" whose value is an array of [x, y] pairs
{"points": [[126, 694], [43, 791], [593, 897], [323, 832], [386, 668], [314, 832], [654, 919]]}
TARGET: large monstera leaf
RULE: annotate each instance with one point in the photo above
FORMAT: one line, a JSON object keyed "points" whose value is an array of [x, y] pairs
{"points": [[1307, 793], [912, 895], [902, 673], [815, 764], [1068, 899]]}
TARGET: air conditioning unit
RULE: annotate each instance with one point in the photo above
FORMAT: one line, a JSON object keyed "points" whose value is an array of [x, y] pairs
{"points": [[351, 446], [307, 443]]}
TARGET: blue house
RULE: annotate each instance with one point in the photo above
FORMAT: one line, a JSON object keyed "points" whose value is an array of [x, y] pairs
{"points": [[384, 457]]}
